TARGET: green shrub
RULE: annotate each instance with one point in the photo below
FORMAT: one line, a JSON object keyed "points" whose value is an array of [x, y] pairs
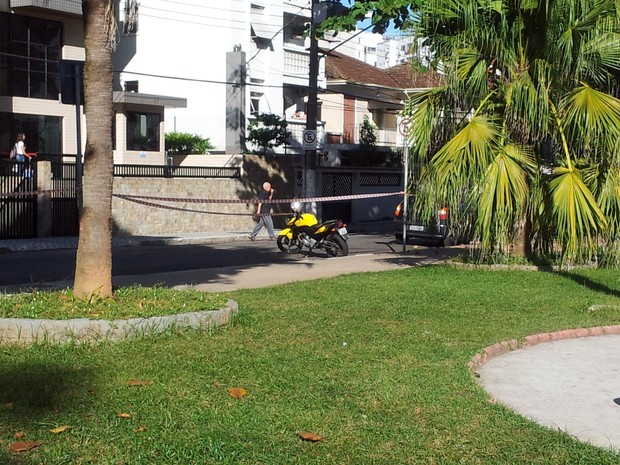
{"points": [[266, 132], [183, 143], [368, 138]]}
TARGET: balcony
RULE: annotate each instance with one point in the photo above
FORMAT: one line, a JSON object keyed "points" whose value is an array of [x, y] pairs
{"points": [[297, 128], [296, 65], [68, 7], [386, 137]]}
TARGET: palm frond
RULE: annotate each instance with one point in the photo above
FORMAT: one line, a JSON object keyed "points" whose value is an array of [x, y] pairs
{"points": [[527, 108], [423, 111], [578, 217], [504, 196], [467, 155], [593, 117]]}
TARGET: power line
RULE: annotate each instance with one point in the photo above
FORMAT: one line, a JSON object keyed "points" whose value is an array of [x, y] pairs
{"points": [[278, 32]]}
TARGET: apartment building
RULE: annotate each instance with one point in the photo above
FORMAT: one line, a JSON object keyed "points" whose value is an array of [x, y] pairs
{"points": [[197, 67], [38, 38], [228, 60], [34, 37]]}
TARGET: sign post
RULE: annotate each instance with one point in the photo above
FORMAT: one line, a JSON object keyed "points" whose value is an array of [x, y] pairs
{"points": [[72, 92], [403, 128]]}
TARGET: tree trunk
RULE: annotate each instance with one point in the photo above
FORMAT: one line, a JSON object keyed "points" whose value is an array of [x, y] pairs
{"points": [[93, 269]]}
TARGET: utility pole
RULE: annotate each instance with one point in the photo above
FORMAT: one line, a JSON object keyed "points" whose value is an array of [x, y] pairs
{"points": [[311, 108]]}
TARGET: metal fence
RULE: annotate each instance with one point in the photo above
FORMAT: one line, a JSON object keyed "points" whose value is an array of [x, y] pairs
{"points": [[164, 171], [18, 210], [18, 204], [65, 217]]}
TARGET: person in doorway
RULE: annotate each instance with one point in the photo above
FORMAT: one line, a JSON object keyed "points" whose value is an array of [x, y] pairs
{"points": [[20, 152], [263, 211]]}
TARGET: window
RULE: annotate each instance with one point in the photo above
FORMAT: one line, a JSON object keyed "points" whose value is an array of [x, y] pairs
{"points": [[30, 67], [131, 86], [255, 102], [143, 131], [43, 133]]}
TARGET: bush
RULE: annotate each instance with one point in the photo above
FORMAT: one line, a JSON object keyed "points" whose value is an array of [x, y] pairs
{"points": [[266, 132], [368, 138], [183, 143]]}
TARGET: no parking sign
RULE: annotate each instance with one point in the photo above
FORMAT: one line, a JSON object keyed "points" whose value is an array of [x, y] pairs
{"points": [[309, 139], [403, 127]]}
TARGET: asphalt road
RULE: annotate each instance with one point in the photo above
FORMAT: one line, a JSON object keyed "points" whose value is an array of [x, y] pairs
{"points": [[35, 268]]}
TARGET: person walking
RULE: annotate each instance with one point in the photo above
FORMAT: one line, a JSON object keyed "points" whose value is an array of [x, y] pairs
{"points": [[263, 211]]}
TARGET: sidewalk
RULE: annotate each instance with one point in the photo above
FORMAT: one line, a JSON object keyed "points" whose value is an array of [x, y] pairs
{"points": [[71, 242]]}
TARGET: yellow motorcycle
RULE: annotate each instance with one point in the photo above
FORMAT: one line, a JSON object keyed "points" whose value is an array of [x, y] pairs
{"points": [[304, 231]]}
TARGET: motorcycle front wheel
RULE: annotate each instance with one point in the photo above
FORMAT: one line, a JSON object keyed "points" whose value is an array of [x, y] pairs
{"points": [[336, 246], [288, 245]]}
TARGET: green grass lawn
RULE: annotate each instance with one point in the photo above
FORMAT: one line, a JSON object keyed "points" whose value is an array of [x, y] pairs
{"points": [[374, 363]]}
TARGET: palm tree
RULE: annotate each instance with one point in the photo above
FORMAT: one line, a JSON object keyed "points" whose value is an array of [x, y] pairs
{"points": [[93, 270], [525, 134]]}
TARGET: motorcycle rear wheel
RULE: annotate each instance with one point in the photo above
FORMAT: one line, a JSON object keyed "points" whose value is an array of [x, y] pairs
{"points": [[337, 247], [288, 245]]}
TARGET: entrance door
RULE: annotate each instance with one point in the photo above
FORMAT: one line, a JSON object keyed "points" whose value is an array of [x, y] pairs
{"points": [[335, 184]]}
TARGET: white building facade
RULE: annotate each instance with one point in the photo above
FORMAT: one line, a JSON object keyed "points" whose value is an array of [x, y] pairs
{"points": [[228, 59]]}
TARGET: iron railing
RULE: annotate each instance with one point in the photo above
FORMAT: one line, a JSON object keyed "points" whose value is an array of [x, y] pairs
{"points": [[165, 171]]}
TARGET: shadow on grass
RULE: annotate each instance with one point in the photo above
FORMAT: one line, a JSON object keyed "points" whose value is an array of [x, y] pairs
{"points": [[7, 458], [592, 285], [36, 389]]}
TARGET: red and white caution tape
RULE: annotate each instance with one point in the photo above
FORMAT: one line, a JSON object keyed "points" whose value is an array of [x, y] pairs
{"points": [[337, 198]]}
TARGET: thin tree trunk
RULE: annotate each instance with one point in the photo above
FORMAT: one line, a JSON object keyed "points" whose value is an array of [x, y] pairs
{"points": [[93, 269]]}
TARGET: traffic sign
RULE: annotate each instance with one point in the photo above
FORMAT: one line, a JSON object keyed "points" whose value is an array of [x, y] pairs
{"points": [[309, 139], [403, 127]]}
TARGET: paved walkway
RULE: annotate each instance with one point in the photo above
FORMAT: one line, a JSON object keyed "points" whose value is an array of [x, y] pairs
{"points": [[571, 384]]}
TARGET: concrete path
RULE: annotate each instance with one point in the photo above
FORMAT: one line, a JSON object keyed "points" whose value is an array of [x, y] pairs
{"points": [[572, 385]]}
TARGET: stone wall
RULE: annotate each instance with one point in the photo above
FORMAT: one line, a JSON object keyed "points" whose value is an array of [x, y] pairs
{"points": [[190, 216]]}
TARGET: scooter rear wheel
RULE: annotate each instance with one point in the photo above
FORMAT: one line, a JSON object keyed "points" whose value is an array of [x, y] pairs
{"points": [[288, 245]]}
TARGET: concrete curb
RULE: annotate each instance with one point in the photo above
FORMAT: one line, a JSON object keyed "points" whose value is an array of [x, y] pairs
{"points": [[23, 331], [504, 347]]}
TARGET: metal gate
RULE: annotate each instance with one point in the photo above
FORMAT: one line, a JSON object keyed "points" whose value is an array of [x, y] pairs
{"points": [[18, 211], [65, 218], [337, 184]]}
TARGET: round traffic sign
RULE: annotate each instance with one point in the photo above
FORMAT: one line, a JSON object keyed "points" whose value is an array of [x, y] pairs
{"points": [[403, 127]]}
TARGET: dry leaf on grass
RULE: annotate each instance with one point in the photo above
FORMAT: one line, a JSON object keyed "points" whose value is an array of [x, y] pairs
{"points": [[60, 429], [8, 406], [123, 415], [237, 392], [19, 435], [140, 429], [137, 382], [306, 436], [24, 446]]}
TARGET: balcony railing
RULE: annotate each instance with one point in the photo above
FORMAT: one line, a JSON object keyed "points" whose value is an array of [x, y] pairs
{"points": [[297, 128], [73, 7], [386, 137], [296, 63]]}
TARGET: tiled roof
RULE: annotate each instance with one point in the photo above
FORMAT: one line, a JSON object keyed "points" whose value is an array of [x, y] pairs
{"points": [[409, 79], [345, 68]]}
